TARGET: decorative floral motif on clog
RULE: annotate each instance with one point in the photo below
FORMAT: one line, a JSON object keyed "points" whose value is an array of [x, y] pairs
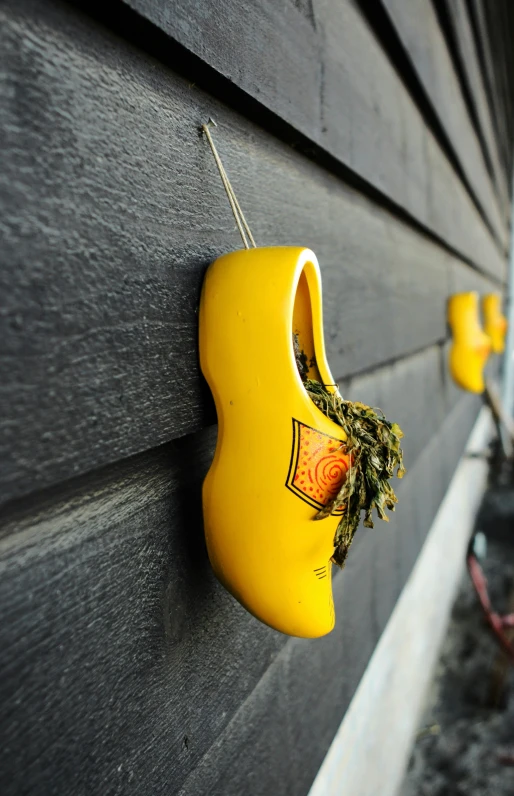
{"points": [[318, 465]]}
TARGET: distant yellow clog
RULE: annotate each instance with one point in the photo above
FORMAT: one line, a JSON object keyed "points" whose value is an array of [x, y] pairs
{"points": [[278, 458], [471, 346], [495, 323]]}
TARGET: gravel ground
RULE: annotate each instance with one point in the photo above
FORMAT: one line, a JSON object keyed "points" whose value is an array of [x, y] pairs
{"points": [[465, 746]]}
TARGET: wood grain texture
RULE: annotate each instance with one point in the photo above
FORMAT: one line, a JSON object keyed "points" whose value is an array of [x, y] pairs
{"points": [[353, 104], [466, 51], [417, 26], [125, 668], [111, 210]]}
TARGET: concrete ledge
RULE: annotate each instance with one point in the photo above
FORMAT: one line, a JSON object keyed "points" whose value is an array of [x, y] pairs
{"points": [[370, 751]]}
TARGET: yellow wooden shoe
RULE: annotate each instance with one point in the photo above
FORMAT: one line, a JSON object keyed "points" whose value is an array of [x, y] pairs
{"points": [[278, 458], [495, 323], [471, 346]]}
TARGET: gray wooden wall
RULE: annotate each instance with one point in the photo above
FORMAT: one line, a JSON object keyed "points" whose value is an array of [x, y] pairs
{"points": [[378, 134]]}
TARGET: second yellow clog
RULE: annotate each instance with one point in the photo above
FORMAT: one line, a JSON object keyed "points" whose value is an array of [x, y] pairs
{"points": [[470, 345]]}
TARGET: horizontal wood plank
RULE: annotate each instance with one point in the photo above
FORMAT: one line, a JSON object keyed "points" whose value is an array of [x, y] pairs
{"points": [[320, 69], [417, 26], [107, 235], [126, 668], [466, 49]]}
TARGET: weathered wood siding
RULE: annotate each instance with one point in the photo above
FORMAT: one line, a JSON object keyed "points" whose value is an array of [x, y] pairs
{"points": [[378, 134]]}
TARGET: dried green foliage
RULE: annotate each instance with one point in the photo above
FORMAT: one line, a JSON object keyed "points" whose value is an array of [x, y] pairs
{"points": [[374, 446]]}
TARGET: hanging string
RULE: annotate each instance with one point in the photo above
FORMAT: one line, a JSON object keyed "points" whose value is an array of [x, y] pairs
{"points": [[242, 224]]}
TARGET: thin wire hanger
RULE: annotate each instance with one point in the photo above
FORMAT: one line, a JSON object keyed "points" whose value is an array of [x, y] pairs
{"points": [[242, 224]]}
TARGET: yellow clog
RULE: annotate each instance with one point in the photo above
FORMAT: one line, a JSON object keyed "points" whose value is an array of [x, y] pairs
{"points": [[278, 458], [471, 346], [495, 323]]}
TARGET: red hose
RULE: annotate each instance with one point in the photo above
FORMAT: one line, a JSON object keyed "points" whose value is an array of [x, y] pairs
{"points": [[497, 622]]}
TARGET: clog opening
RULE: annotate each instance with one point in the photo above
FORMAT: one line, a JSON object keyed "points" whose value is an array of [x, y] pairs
{"points": [[303, 327]]}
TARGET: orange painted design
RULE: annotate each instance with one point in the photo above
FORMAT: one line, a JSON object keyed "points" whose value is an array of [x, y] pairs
{"points": [[318, 466]]}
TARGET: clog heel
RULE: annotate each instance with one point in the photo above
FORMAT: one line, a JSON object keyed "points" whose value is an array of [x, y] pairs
{"points": [[495, 323], [278, 458], [471, 346]]}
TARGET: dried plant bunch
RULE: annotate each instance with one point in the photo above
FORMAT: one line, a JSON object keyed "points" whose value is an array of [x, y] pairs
{"points": [[375, 457]]}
